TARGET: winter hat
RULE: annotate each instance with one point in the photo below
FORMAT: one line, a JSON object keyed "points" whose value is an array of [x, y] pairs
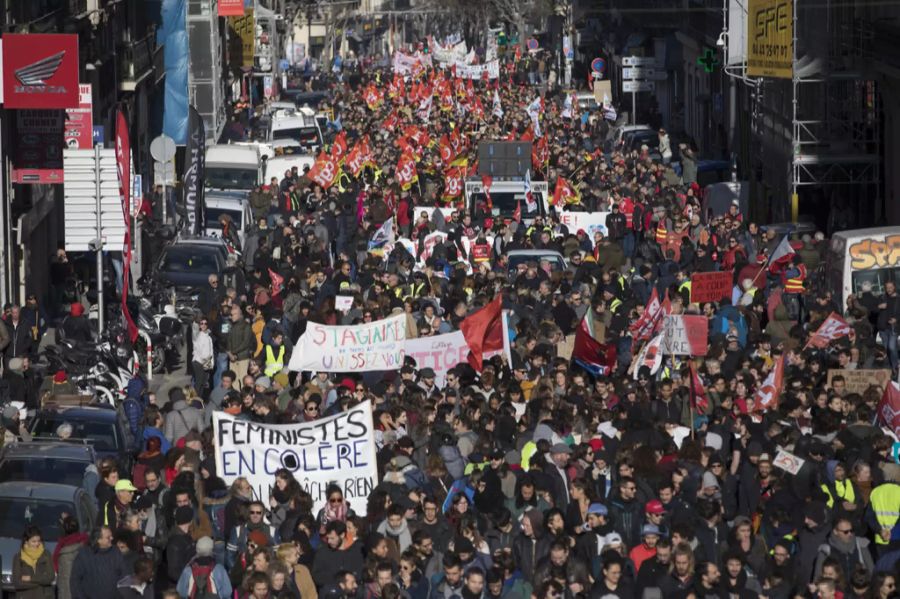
{"points": [[184, 515], [204, 547], [282, 379], [76, 309], [60, 376], [16, 364], [709, 480]]}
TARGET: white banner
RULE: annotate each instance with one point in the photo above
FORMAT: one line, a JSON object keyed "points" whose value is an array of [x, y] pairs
{"points": [[474, 71], [440, 353], [339, 449], [444, 55], [404, 64], [367, 347], [591, 222]]}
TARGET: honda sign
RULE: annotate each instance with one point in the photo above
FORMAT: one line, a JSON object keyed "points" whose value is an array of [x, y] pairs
{"points": [[40, 70]]}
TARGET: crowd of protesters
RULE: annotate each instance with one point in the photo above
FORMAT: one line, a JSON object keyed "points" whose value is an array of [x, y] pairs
{"points": [[530, 479]]}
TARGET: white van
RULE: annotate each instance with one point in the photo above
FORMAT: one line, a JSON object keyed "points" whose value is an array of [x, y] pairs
{"points": [[862, 255], [235, 204], [277, 165], [232, 166], [505, 196], [299, 127]]}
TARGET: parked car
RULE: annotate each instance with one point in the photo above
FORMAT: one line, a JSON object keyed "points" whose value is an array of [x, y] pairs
{"points": [[43, 505], [188, 262], [516, 257], [61, 463], [98, 426]]}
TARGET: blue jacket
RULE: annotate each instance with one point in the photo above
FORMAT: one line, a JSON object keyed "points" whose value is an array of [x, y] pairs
{"points": [[219, 578], [152, 431]]}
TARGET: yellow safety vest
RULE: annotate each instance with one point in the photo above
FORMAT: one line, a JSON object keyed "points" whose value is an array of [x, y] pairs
{"points": [[795, 285], [274, 365], [843, 489], [614, 305], [528, 450], [685, 285], [885, 500]]}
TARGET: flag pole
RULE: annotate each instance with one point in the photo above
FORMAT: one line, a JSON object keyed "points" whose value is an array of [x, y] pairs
{"points": [[693, 397]]}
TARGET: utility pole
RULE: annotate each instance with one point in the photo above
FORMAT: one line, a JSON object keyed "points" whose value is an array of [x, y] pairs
{"points": [[99, 244]]}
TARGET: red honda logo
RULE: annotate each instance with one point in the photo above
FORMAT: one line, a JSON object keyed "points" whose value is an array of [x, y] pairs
{"points": [[40, 70]]}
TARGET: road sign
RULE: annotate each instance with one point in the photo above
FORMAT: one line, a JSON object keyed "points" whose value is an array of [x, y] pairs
{"points": [[598, 65], [164, 173], [80, 192], [532, 44], [162, 148], [629, 73], [638, 61], [137, 194], [638, 86]]}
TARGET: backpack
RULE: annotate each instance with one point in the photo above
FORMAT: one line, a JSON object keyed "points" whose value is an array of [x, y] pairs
{"points": [[203, 587], [137, 476]]}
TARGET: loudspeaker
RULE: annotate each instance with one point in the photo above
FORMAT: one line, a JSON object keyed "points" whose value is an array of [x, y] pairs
{"points": [[504, 159]]}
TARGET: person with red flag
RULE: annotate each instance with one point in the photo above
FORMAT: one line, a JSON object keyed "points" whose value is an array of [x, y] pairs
{"points": [[483, 332]]}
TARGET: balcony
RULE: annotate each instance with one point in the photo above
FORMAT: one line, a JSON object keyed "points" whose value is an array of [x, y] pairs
{"points": [[138, 60]]}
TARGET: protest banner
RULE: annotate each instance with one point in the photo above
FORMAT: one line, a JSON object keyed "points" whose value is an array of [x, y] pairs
{"points": [[440, 353], [366, 347], [685, 335], [860, 380], [477, 71], [788, 462], [338, 449], [711, 286], [590, 222], [404, 64]]}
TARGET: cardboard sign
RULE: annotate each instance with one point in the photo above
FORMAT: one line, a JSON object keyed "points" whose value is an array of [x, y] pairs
{"points": [[339, 449], [711, 286], [440, 353], [343, 303], [860, 380], [685, 335], [788, 462], [366, 347]]}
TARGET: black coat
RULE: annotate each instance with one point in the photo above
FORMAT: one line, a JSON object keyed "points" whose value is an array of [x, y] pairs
{"points": [[96, 573], [179, 551]]}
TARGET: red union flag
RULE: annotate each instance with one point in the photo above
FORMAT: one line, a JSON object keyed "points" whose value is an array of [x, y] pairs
{"points": [[540, 154], [359, 156], [391, 122], [325, 171], [339, 147], [766, 397], [564, 193], [651, 320], [888, 410], [453, 183], [373, 97], [406, 171], [446, 149], [831, 330]]}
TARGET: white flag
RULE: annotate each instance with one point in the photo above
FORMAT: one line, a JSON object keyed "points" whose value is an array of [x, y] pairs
{"points": [[534, 111], [567, 107], [650, 356], [498, 108], [384, 235]]}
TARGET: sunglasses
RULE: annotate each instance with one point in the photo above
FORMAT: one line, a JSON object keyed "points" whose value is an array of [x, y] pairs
{"points": [[256, 513], [312, 409]]}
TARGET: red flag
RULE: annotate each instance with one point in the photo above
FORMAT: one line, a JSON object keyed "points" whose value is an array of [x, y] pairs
{"points": [[277, 282], [446, 149], [699, 401], [486, 181], [324, 171], [644, 326], [391, 122], [517, 215], [406, 170], [888, 410], [832, 329], [453, 183], [483, 332], [597, 358], [767, 395], [339, 147], [540, 154], [564, 193], [373, 97], [123, 166]]}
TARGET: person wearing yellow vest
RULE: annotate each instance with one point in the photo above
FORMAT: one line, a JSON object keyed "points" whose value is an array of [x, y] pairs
{"points": [[794, 277], [841, 494], [274, 354], [883, 516], [112, 510], [662, 234]]}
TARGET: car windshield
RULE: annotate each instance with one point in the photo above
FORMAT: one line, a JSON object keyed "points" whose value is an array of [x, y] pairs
{"points": [[555, 263], [16, 514], [231, 178], [504, 204], [43, 470], [213, 214], [189, 260], [306, 136], [101, 435]]}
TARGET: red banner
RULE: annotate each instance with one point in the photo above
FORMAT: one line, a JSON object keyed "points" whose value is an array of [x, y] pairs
{"points": [[711, 286], [231, 8], [831, 330], [123, 166], [40, 70], [888, 410], [324, 171]]}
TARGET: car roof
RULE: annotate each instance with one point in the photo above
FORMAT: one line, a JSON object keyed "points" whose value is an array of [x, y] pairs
{"points": [[56, 451], [534, 253], [194, 241], [47, 491], [82, 413]]}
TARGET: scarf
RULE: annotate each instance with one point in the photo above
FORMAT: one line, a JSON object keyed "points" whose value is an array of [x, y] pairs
{"points": [[333, 512], [31, 556]]}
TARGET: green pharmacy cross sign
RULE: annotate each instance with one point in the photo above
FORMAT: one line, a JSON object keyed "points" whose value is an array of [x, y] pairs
{"points": [[709, 61]]}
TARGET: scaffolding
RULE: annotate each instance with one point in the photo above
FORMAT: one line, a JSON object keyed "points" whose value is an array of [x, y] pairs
{"points": [[836, 136]]}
